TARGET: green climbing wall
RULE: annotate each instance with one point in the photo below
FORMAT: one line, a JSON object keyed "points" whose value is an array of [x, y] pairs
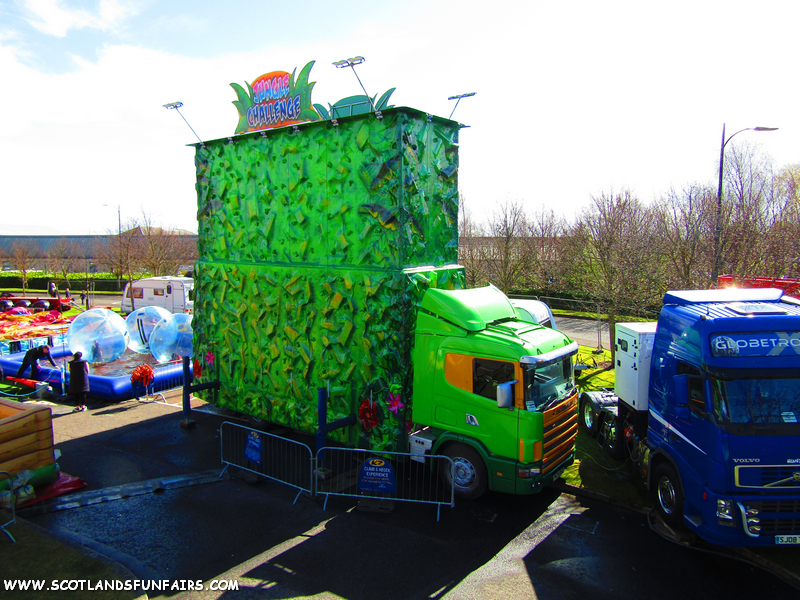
{"points": [[308, 243]]}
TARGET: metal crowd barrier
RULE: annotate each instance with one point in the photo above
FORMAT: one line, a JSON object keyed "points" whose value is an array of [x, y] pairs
{"points": [[279, 459], [395, 476], [350, 472]]}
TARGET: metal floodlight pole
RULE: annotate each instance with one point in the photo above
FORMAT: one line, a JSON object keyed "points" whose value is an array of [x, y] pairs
{"points": [[177, 106], [352, 62], [458, 99], [718, 227]]}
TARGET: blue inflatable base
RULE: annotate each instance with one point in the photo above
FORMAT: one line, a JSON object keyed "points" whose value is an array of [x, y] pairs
{"points": [[167, 376]]}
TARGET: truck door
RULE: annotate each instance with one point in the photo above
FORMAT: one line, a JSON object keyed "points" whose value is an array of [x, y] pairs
{"points": [[170, 299], [495, 427], [694, 438]]}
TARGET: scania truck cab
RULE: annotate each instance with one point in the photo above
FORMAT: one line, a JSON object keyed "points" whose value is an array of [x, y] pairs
{"points": [[496, 394]]}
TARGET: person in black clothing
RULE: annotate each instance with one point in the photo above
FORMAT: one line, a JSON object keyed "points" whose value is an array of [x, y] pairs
{"points": [[32, 358], [78, 380]]}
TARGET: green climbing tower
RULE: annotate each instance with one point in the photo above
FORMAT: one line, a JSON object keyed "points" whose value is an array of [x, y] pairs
{"points": [[316, 243]]}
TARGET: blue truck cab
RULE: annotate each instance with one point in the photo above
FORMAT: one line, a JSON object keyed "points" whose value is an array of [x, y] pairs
{"points": [[707, 401]]}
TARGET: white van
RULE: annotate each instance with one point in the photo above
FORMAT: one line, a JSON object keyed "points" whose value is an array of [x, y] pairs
{"points": [[176, 294], [535, 311]]}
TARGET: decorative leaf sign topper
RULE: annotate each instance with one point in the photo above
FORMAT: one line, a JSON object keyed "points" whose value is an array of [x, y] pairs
{"points": [[275, 99]]}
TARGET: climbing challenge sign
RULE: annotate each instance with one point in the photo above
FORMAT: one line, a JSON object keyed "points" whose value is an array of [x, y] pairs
{"points": [[275, 99]]}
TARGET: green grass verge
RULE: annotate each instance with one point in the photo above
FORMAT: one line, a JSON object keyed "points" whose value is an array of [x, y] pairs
{"points": [[593, 468], [37, 555]]}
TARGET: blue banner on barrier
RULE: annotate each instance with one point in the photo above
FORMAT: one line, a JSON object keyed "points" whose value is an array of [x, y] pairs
{"points": [[252, 450], [377, 475]]}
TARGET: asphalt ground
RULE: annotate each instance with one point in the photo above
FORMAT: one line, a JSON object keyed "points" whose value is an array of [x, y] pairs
{"points": [[155, 499]]}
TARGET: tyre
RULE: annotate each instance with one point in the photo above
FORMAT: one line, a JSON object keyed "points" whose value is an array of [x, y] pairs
{"points": [[586, 418], [613, 430], [669, 495], [468, 475]]}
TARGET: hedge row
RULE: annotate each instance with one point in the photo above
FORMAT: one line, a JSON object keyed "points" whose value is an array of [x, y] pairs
{"points": [[103, 282]]}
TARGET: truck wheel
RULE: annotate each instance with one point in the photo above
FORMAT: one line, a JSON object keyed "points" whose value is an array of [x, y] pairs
{"points": [[612, 427], [468, 475], [586, 418], [669, 495]]}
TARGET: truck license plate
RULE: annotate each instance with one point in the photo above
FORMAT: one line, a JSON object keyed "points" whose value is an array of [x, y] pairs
{"points": [[787, 539]]}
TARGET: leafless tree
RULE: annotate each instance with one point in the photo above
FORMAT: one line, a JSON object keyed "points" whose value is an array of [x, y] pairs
{"points": [[542, 249], [62, 256], [614, 259], [23, 258], [747, 217], [782, 244], [161, 251], [470, 236], [684, 227], [502, 251]]}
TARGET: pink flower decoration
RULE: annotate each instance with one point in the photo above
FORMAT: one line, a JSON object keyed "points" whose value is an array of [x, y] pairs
{"points": [[210, 358], [394, 402]]}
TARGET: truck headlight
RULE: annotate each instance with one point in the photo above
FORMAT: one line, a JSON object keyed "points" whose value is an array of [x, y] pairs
{"points": [[725, 512], [528, 472]]}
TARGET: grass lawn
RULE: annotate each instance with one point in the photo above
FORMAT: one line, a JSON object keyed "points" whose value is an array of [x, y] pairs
{"points": [[593, 468], [38, 555]]}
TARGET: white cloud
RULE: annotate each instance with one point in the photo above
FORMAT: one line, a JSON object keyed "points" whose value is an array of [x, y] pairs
{"points": [[56, 20]]}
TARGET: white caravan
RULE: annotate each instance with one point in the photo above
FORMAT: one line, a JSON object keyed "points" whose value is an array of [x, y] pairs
{"points": [[176, 294]]}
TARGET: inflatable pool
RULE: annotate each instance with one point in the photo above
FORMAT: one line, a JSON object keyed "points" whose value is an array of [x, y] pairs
{"points": [[109, 381]]}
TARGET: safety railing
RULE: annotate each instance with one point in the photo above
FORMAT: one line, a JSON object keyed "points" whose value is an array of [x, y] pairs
{"points": [[277, 458], [384, 476], [350, 472]]}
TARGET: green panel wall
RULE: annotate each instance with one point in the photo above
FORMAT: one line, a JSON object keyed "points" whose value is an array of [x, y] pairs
{"points": [[303, 241]]}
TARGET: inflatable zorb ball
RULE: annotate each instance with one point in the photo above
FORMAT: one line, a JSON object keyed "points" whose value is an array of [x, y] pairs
{"points": [[99, 334], [172, 338], [140, 324]]}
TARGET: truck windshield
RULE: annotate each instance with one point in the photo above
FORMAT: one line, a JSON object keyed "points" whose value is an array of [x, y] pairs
{"points": [[545, 385], [757, 400]]}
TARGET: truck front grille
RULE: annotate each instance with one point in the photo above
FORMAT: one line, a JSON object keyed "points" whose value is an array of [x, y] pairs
{"points": [[767, 476], [777, 517], [560, 431]]}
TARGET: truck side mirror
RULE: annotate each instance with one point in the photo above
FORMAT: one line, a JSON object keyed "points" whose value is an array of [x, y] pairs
{"points": [[681, 383], [681, 390], [505, 394]]}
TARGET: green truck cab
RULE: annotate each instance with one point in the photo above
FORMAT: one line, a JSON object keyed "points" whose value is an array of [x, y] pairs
{"points": [[495, 394]]}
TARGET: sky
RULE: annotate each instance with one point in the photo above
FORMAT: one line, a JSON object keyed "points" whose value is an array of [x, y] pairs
{"points": [[572, 99]]}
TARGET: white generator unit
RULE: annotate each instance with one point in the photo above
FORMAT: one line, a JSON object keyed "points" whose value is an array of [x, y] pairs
{"points": [[634, 349]]}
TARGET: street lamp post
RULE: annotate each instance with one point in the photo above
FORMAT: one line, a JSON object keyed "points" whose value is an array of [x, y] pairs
{"points": [[718, 227], [119, 240]]}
